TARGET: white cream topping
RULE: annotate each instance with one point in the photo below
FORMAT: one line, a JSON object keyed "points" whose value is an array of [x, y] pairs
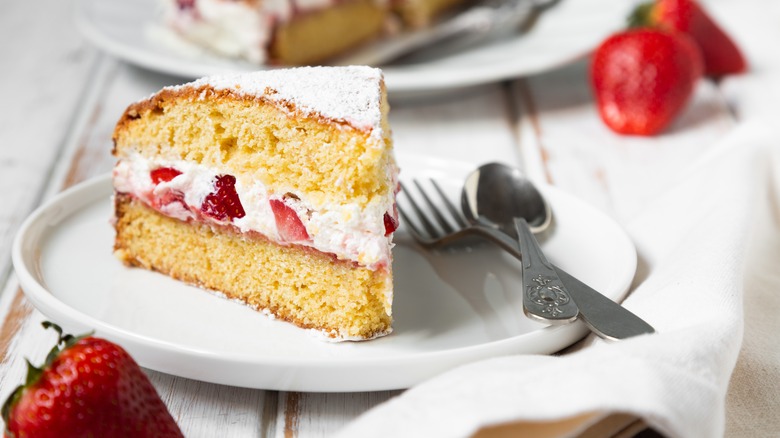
{"points": [[233, 29], [238, 29], [345, 230]]}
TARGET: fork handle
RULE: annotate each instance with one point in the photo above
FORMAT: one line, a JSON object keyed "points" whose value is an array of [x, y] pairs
{"points": [[545, 297], [603, 316]]}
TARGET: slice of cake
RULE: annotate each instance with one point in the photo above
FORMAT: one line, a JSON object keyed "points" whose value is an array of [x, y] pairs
{"points": [[275, 188], [294, 32], [288, 32]]}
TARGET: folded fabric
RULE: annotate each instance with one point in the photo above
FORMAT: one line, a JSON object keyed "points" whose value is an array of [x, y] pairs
{"points": [[692, 243], [753, 399]]}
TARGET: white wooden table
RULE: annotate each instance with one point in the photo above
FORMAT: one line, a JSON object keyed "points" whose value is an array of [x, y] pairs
{"points": [[61, 98]]}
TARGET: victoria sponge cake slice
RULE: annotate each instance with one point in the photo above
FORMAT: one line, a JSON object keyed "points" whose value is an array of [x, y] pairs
{"points": [[274, 188]]}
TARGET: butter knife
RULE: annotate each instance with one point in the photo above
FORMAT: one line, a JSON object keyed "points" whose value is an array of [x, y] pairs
{"points": [[603, 316]]}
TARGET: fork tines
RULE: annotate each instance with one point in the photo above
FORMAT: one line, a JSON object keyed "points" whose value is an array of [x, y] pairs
{"points": [[437, 219]]}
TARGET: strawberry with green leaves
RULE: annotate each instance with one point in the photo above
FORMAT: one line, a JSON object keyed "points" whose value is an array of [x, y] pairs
{"points": [[643, 78], [721, 55], [87, 387]]}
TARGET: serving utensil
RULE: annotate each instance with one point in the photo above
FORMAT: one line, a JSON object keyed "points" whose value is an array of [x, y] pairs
{"points": [[500, 198], [435, 227], [489, 20]]}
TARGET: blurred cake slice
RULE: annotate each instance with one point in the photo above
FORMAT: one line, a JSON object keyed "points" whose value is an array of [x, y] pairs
{"points": [[286, 32], [275, 188], [294, 32]]}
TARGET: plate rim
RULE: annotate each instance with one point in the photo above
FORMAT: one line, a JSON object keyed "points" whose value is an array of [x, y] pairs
{"points": [[401, 81], [144, 347]]}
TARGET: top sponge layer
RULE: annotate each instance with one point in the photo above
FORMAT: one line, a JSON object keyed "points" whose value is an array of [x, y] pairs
{"points": [[320, 131]]}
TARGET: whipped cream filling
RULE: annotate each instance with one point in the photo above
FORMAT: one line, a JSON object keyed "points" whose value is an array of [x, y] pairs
{"points": [[231, 28], [345, 230]]}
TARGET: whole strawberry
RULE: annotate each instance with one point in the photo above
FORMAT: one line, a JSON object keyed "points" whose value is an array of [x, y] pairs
{"points": [[721, 54], [643, 78], [88, 387]]}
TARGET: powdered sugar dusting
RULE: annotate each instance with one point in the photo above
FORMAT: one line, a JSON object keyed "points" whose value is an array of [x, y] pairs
{"points": [[349, 94]]}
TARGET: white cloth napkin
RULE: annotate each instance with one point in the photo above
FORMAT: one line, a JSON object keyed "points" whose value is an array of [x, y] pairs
{"points": [[692, 242]]}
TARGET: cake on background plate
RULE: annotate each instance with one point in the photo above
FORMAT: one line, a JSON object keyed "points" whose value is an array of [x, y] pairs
{"points": [[294, 32], [275, 188]]}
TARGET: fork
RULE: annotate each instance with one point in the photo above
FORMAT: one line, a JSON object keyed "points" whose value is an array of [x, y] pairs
{"points": [[545, 297], [603, 316]]}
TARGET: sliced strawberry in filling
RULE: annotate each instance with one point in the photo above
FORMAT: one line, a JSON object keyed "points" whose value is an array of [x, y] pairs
{"points": [[163, 174], [289, 225], [391, 220], [223, 203], [166, 197], [391, 224]]}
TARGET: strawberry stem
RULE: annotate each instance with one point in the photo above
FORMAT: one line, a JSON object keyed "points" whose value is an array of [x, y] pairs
{"points": [[33, 373], [641, 16]]}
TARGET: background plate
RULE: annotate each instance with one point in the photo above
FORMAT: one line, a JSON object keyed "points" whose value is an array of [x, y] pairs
{"points": [[563, 34], [451, 307]]}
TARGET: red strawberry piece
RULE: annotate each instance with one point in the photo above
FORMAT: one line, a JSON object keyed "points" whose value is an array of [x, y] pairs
{"points": [[87, 387], [643, 78], [289, 225], [391, 224], [721, 54], [223, 203], [163, 174]]}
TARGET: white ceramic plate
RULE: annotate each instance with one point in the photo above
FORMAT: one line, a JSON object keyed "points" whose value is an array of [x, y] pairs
{"points": [[564, 33], [451, 307]]}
